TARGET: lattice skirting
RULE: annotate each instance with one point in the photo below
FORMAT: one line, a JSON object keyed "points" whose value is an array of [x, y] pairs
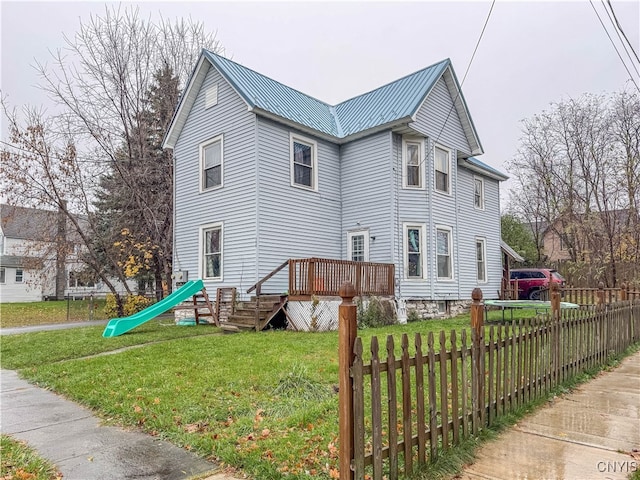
{"points": [[319, 315]]}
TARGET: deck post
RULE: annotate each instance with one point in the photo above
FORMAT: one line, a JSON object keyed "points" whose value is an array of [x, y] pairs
{"points": [[347, 330], [477, 359]]}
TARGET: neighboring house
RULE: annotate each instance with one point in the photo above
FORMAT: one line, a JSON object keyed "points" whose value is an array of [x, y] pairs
{"points": [[39, 257], [264, 173]]}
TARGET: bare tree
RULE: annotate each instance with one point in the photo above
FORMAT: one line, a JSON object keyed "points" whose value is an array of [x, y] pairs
{"points": [[42, 168], [102, 80], [577, 173]]}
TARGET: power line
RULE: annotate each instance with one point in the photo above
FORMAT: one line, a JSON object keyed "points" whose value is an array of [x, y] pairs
{"points": [[622, 31], [459, 90], [614, 45], [624, 45]]}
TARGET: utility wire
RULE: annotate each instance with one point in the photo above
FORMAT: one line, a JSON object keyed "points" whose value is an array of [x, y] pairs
{"points": [[624, 44], [486, 21], [459, 90], [622, 31], [614, 45]]}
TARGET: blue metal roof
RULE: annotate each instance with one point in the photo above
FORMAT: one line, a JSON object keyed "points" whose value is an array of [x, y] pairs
{"points": [[398, 99], [265, 93], [394, 101]]}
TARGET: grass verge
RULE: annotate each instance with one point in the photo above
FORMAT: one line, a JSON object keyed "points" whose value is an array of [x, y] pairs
{"points": [[264, 403], [20, 462], [57, 311]]}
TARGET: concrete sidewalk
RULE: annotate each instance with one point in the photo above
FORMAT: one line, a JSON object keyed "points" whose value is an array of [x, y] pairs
{"points": [[591, 433], [72, 438]]}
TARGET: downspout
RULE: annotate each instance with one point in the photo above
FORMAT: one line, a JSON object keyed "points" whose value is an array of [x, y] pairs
{"points": [[457, 231], [396, 250], [430, 227]]}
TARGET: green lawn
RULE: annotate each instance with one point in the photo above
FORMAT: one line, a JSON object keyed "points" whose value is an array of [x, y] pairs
{"points": [[40, 313], [264, 403], [18, 461]]}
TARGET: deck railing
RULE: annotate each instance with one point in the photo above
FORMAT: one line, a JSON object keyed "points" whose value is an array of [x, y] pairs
{"points": [[323, 276]]}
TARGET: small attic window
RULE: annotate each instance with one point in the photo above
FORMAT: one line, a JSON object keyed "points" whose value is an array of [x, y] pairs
{"points": [[211, 98]]}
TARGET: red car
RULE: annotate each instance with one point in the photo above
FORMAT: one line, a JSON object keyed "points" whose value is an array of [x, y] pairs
{"points": [[532, 281]]}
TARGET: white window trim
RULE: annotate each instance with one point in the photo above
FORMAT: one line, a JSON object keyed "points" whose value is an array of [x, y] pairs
{"points": [[449, 181], [354, 233], [452, 278], [421, 163], [482, 200], [201, 266], [484, 256], [203, 145], [314, 161], [3, 280], [423, 250], [21, 270]]}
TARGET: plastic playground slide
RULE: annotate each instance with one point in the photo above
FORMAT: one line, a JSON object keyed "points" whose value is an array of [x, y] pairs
{"points": [[118, 326]]}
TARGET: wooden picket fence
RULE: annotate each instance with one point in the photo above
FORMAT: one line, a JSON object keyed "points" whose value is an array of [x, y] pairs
{"points": [[408, 406]]}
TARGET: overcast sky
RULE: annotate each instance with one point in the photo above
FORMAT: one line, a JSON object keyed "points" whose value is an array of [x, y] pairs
{"points": [[532, 53]]}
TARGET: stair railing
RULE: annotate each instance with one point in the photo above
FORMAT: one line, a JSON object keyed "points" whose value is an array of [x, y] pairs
{"points": [[258, 288]]}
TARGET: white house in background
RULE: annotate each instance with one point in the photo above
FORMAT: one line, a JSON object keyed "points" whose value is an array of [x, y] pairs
{"points": [[39, 257], [265, 173]]}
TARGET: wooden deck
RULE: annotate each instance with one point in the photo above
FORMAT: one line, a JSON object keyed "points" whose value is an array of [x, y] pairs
{"points": [[323, 277]]}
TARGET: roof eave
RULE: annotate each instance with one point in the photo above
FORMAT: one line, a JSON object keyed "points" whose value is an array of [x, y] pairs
{"points": [[483, 171], [331, 138]]}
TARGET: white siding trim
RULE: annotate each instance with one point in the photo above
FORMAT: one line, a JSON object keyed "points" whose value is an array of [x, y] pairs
{"points": [[314, 160], [201, 267], [202, 146], [476, 178]]}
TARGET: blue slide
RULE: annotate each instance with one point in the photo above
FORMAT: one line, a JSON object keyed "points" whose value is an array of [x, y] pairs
{"points": [[118, 326]]}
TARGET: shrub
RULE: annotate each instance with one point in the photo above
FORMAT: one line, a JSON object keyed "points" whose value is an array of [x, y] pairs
{"points": [[132, 304], [376, 313], [413, 316]]}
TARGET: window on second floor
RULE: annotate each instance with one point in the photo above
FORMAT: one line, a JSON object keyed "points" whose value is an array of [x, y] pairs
{"points": [[478, 193], [412, 164], [304, 163], [442, 163], [211, 160]]}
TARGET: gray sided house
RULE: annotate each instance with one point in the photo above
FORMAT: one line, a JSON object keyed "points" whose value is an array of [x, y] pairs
{"points": [[264, 174]]}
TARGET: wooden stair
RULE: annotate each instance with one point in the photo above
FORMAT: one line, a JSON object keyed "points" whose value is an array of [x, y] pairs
{"points": [[248, 316], [201, 302]]}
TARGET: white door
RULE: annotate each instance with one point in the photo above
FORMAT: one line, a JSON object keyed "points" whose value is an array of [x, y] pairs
{"points": [[358, 246]]}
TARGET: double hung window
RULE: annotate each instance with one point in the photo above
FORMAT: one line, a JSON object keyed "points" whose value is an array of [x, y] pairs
{"points": [[211, 153], [442, 170]]}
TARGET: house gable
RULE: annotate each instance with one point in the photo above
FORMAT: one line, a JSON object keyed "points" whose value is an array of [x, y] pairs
{"points": [[394, 104]]}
